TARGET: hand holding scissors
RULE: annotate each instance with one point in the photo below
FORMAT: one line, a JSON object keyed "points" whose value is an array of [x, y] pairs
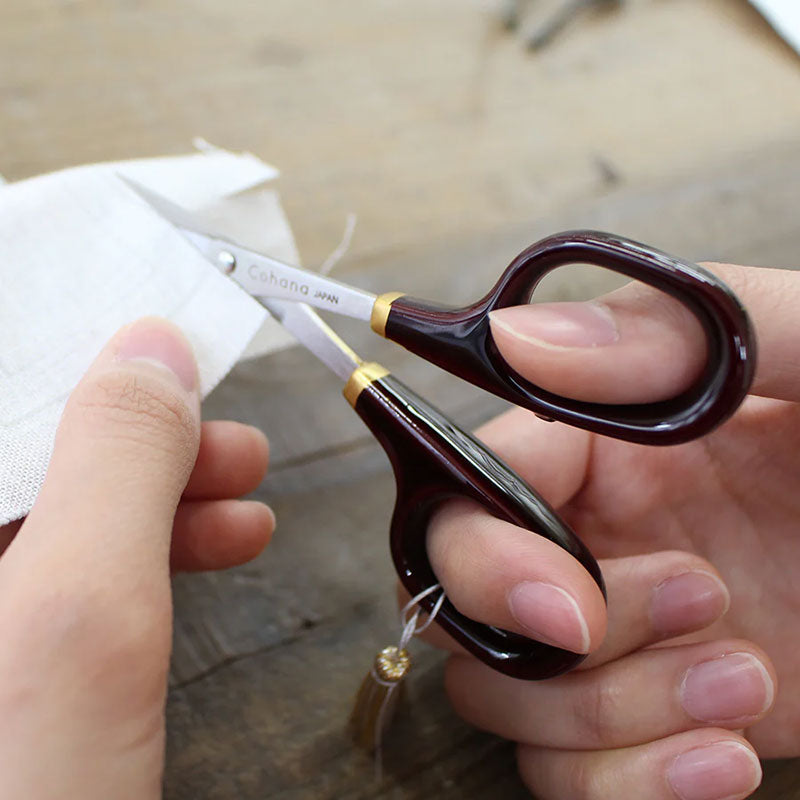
{"points": [[433, 460], [678, 695]]}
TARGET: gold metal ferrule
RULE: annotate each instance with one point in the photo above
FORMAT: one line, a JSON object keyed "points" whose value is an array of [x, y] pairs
{"points": [[362, 377], [380, 311]]}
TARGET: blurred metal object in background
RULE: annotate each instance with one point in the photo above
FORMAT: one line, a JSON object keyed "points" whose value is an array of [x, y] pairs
{"points": [[543, 33]]}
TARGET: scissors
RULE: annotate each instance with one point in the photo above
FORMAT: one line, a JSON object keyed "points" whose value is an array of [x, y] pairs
{"points": [[459, 340], [432, 458]]}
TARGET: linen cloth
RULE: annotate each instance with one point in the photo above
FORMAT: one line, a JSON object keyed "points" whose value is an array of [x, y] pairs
{"points": [[81, 254]]}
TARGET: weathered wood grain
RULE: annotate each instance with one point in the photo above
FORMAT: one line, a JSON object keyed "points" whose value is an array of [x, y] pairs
{"points": [[424, 118]]}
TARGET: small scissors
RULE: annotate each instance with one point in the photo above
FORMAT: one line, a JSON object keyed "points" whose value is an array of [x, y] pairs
{"points": [[434, 460], [459, 340]]}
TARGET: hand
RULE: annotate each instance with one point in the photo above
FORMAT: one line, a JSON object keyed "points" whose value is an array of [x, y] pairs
{"points": [[698, 545], [135, 483]]}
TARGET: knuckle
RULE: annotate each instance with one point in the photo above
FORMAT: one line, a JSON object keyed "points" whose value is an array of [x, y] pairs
{"points": [[654, 568], [598, 710], [446, 550], [585, 781], [548, 773], [646, 303], [463, 550], [138, 407]]}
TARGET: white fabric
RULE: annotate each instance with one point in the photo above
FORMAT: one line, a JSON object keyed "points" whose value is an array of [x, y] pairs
{"points": [[81, 255], [784, 16]]}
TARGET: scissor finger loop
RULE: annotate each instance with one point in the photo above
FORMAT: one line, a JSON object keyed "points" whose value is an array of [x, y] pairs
{"points": [[459, 339]]}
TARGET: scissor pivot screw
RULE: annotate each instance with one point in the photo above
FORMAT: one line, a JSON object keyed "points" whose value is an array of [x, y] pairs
{"points": [[227, 261]]}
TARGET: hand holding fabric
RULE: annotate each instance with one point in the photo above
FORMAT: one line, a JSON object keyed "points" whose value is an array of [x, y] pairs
{"points": [[135, 484]]}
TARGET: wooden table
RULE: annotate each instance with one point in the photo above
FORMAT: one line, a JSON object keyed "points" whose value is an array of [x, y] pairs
{"points": [[675, 123]]}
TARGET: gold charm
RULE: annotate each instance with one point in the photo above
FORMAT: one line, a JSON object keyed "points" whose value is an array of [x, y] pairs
{"points": [[377, 698], [381, 689]]}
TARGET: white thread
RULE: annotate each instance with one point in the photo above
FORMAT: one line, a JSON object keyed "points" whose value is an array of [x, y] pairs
{"points": [[204, 146], [409, 624], [409, 630], [381, 681], [344, 245]]}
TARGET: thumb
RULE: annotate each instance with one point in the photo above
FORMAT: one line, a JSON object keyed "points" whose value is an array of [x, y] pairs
{"points": [[123, 453], [85, 583], [639, 345]]}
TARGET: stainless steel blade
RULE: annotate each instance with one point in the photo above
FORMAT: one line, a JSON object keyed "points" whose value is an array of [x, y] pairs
{"points": [[263, 276], [314, 334], [258, 274]]}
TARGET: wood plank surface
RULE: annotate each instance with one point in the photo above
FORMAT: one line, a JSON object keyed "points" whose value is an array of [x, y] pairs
{"points": [[676, 123], [323, 589]]}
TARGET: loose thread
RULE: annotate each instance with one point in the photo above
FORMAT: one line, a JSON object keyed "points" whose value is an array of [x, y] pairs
{"points": [[344, 245]]}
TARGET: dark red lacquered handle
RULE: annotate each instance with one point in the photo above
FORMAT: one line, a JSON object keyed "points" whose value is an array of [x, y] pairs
{"points": [[433, 461], [460, 341]]}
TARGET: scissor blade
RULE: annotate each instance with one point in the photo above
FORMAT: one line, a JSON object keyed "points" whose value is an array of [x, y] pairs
{"points": [[256, 273], [313, 333], [263, 276], [178, 216]]}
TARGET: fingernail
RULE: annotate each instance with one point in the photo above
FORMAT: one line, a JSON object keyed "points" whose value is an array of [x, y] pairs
{"points": [[688, 602], [159, 342], [728, 688], [559, 324], [715, 772], [550, 615]]}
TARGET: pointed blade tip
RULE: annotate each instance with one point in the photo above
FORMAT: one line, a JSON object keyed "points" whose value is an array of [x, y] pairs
{"points": [[173, 213]]}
